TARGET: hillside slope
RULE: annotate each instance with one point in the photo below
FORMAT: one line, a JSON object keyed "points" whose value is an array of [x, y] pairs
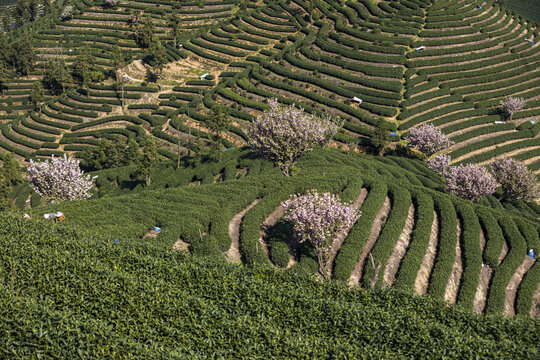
{"points": [[67, 294], [319, 55], [411, 235]]}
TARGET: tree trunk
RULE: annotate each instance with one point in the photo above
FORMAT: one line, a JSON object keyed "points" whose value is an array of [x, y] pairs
{"points": [[147, 178], [178, 162], [122, 94]]}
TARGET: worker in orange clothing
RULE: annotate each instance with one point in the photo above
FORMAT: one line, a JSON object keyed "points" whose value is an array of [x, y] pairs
{"points": [[59, 216]]}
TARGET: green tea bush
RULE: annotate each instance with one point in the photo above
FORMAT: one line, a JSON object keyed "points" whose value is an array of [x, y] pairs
{"points": [[471, 254], [350, 251], [87, 295], [446, 247], [502, 274], [383, 248]]}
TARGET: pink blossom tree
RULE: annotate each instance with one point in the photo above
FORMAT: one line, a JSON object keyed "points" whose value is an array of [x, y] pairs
{"points": [[440, 163], [318, 219], [470, 181], [284, 133], [516, 180], [59, 179], [512, 105], [428, 139]]}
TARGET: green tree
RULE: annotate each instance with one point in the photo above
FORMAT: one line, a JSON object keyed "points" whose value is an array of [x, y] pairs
{"points": [[131, 155], [381, 137], [146, 159], [6, 203], [118, 65], [160, 59], [3, 76], [11, 170], [219, 120], [6, 21], [174, 24], [56, 75], [37, 96], [23, 55], [19, 13], [5, 54], [33, 6], [83, 66], [144, 33]]}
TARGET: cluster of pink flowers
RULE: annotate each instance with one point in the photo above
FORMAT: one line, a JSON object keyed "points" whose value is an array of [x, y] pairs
{"points": [[428, 139], [59, 179], [319, 218], [516, 180], [284, 133], [470, 181], [440, 163]]}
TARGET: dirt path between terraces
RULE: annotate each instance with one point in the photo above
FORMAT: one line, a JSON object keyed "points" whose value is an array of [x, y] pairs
{"points": [[422, 278], [513, 284], [450, 294], [376, 227], [483, 282], [400, 249], [234, 232]]}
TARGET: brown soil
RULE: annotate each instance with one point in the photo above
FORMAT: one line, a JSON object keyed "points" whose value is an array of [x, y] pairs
{"points": [[513, 284], [180, 245], [481, 292], [503, 253], [151, 234], [376, 227], [452, 287], [422, 278], [483, 281], [400, 249], [336, 245], [234, 232]]}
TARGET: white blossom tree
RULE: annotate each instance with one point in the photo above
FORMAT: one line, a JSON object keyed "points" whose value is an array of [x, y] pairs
{"points": [[318, 219], [516, 180], [470, 181], [428, 139], [284, 133], [512, 105], [59, 179]]}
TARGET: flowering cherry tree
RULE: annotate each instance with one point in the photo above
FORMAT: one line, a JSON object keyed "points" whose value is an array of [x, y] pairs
{"points": [[319, 218], [470, 182], [284, 133], [59, 179], [516, 180], [440, 163], [512, 105], [428, 139]]}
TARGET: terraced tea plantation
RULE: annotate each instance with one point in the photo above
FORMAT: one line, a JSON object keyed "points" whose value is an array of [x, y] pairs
{"points": [[200, 261], [448, 63], [411, 236]]}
